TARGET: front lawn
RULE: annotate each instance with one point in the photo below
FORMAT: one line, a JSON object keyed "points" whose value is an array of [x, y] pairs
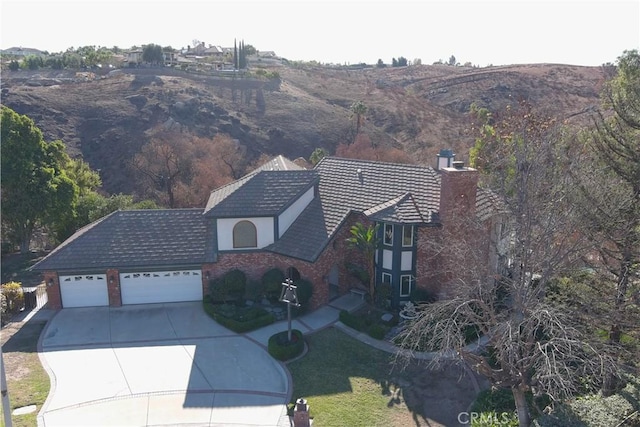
{"points": [[27, 381], [348, 383]]}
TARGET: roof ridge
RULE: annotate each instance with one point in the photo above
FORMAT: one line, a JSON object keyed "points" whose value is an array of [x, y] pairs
{"points": [[378, 162]]}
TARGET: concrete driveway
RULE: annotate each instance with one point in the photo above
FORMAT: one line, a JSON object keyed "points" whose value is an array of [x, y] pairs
{"points": [[160, 364]]}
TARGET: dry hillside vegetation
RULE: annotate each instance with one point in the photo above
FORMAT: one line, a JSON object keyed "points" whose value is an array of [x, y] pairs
{"points": [[418, 109]]}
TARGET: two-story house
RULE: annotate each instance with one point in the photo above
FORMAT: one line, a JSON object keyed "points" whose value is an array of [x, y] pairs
{"points": [[279, 215]]}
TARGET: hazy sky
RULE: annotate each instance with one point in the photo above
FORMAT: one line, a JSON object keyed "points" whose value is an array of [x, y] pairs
{"points": [[476, 31]]}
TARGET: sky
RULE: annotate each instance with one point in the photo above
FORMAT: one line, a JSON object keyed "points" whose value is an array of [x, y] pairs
{"points": [[501, 32]]}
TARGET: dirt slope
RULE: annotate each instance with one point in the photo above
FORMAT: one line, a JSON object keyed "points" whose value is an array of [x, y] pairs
{"points": [[420, 109]]}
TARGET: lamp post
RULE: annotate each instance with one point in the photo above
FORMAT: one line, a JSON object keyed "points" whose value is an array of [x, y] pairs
{"points": [[290, 297]]}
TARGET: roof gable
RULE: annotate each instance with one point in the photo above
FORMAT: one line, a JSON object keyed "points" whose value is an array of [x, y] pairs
{"points": [[265, 193]]}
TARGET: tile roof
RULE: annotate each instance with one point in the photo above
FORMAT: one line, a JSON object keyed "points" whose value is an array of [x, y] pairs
{"points": [[136, 238], [402, 210], [279, 163], [388, 190], [266, 193], [359, 185]]}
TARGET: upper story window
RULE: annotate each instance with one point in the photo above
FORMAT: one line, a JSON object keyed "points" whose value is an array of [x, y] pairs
{"points": [[245, 235], [388, 234], [407, 236]]}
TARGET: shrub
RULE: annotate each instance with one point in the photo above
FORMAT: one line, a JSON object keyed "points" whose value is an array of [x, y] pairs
{"points": [[498, 400], [238, 319], [421, 295], [235, 283], [230, 286], [383, 294], [14, 297], [377, 331], [216, 289], [280, 348], [620, 409], [351, 321], [253, 291], [304, 290], [272, 283]]}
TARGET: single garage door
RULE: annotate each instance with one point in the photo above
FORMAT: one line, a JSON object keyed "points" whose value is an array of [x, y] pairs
{"points": [[160, 286], [88, 290]]}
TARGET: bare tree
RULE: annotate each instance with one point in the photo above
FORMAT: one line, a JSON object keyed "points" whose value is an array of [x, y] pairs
{"points": [[162, 163], [528, 345]]}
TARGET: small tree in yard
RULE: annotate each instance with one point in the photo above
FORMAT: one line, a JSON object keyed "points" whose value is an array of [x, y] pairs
{"points": [[365, 239], [12, 298]]}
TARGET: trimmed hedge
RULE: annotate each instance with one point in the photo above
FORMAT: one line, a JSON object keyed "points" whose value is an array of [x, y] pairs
{"points": [[279, 348], [239, 319]]}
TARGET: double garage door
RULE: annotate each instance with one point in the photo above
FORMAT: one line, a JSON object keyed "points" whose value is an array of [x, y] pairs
{"points": [[135, 288]]}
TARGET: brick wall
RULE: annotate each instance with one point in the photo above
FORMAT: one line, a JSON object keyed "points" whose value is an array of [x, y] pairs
{"points": [[255, 264], [54, 294], [458, 192], [113, 288]]}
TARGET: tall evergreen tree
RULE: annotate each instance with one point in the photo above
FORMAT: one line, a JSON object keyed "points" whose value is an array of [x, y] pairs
{"points": [[235, 55]]}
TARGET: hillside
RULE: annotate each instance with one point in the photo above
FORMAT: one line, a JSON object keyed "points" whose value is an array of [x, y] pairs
{"points": [[420, 109]]}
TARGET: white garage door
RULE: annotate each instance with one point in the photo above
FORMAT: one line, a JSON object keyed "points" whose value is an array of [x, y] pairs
{"points": [[84, 290], [160, 286]]}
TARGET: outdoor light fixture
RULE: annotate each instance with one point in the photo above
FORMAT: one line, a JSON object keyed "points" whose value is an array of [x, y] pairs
{"points": [[111, 280], [207, 274], [290, 297], [50, 283]]}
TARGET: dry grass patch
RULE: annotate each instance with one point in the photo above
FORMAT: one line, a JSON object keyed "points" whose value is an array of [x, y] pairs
{"points": [[27, 381]]}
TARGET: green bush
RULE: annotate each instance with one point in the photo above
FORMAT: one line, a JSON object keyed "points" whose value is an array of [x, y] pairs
{"points": [[230, 286], [498, 400], [14, 297], [254, 290], [272, 283], [280, 348], [594, 410], [216, 289], [235, 282], [304, 290], [351, 321], [383, 295], [421, 295], [377, 331], [499, 404], [239, 319]]}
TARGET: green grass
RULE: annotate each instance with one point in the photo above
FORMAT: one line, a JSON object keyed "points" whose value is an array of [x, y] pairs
{"points": [[345, 383], [27, 381]]}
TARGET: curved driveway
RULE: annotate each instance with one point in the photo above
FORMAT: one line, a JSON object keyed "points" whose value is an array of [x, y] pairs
{"points": [[161, 364]]}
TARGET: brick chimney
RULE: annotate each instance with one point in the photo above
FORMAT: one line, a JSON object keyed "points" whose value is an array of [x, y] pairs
{"points": [[459, 185]]}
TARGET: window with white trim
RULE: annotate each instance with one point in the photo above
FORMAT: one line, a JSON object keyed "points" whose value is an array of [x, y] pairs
{"points": [[388, 234], [407, 236], [386, 278], [406, 283], [245, 235]]}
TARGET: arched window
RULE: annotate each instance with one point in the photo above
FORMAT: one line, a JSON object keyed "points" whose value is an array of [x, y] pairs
{"points": [[293, 274], [245, 235]]}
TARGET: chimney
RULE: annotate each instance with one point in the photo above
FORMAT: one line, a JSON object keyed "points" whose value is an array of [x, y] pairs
{"points": [[445, 159], [458, 189]]}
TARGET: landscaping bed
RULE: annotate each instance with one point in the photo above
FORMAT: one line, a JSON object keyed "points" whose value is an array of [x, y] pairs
{"points": [[372, 321], [239, 319]]}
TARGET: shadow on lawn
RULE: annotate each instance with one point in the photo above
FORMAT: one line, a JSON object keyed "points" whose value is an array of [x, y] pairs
{"points": [[335, 360]]}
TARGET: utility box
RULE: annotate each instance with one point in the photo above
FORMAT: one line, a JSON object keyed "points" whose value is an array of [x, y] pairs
{"points": [[301, 414]]}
